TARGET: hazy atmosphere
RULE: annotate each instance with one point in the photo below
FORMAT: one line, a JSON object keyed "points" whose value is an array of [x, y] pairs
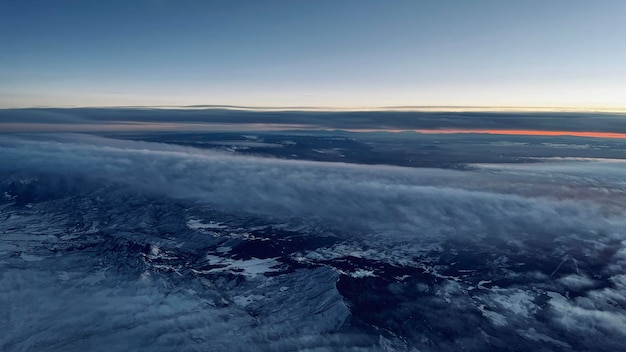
{"points": [[424, 176]]}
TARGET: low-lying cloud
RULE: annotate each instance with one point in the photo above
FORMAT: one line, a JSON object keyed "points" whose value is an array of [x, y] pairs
{"points": [[382, 213], [557, 197]]}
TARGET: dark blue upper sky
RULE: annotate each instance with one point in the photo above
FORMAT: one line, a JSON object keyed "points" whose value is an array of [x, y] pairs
{"points": [[567, 53]]}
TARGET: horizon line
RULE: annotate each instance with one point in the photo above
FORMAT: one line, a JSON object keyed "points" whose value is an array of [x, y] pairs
{"points": [[399, 108]]}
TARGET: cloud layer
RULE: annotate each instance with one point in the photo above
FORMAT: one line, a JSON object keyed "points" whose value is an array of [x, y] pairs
{"points": [[565, 209], [490, 200]]}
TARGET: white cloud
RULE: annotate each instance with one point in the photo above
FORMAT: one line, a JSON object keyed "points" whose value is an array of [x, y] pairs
{"points": [[417, 202]]}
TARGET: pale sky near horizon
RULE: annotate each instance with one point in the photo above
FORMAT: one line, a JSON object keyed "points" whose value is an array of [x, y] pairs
{"points": [[549, 53]]}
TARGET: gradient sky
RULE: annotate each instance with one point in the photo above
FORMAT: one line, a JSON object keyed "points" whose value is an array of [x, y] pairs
{"points": [[542, 53]]}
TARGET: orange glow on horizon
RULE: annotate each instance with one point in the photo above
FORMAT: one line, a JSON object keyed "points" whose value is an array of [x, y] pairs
{"points": [[529, 133], [173, 126]]}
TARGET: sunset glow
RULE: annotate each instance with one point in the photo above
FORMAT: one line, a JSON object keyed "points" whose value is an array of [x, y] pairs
{"points": [[530, 133]]}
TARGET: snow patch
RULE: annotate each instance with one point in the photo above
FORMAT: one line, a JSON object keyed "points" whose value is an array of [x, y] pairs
{"points": [[360, 273], [195, 224], [250, 268]]}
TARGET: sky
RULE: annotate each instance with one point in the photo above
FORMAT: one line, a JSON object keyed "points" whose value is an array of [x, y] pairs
{"points": [[328, 54]]}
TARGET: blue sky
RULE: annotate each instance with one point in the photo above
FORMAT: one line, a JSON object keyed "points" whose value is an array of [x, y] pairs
{"points": [[313, 53]]}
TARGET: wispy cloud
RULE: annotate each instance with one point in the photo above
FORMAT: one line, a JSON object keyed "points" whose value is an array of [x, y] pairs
{"points": [[378, 197]]}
